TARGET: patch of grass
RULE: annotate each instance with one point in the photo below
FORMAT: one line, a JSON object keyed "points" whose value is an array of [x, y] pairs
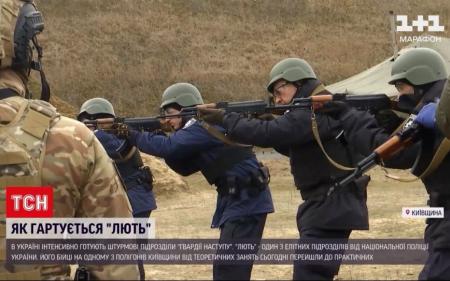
{"points": [[129, 51]]}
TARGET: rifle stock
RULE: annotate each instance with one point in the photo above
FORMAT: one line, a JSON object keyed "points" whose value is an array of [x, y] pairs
{"points": [[372, 103], [407, 136]]}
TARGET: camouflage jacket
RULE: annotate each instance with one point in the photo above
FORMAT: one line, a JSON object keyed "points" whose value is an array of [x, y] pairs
{"points": [[85, 184], [443, 112]]}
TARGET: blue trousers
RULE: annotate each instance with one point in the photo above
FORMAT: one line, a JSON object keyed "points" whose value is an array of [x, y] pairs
{"points": [[248, 228]]}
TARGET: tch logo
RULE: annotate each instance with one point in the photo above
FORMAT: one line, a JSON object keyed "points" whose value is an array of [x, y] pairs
{"points": [[29, 202], [431, 24]]}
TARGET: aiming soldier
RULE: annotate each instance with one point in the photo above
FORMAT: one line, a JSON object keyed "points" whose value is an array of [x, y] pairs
{"points": [[326, 213]]}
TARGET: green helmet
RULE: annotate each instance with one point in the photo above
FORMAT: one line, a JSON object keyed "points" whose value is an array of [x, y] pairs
{"points": [[419, 66], [290, 69], [183, 94], [97, 106]]}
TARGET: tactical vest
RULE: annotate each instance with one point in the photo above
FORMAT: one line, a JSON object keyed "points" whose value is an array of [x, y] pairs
{"points": [[227, 157], [22, 148], [8, 17]]}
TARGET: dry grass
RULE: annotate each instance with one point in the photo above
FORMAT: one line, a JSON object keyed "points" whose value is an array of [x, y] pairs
{"points": [[165, 181], [188, 215], [130, 50]]}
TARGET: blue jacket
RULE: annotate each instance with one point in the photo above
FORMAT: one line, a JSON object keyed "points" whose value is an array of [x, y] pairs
{"points": [[192, 149], [138, 187]]}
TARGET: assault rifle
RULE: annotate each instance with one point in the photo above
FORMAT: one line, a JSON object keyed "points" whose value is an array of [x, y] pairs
{"points": [[372, 103], [408, 135], [121, 124]]}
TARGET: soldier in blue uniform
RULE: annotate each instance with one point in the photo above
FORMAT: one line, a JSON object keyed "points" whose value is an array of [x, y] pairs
{"points": [[137, 178], [243, 198]]}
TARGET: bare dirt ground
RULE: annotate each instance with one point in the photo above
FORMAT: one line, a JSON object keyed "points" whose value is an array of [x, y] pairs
{"points": [[188, 214]]}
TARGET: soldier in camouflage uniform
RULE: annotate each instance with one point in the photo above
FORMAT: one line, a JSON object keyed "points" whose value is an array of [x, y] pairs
{"points": [[64, 154]]}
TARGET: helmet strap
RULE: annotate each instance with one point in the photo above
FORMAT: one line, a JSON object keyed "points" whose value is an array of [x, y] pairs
{"points": [[37, 65], [45, 88]]}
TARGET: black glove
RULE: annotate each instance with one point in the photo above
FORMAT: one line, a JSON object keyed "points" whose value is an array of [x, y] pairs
{"points": [[211, 115], [335, 109]]}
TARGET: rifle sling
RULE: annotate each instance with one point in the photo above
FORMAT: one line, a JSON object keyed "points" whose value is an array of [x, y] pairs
{"points": [[441, 152], [398, 178], [315, 130], [219, 135], [439, 155], [386, 172], [316, 134], [128, 154]]}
